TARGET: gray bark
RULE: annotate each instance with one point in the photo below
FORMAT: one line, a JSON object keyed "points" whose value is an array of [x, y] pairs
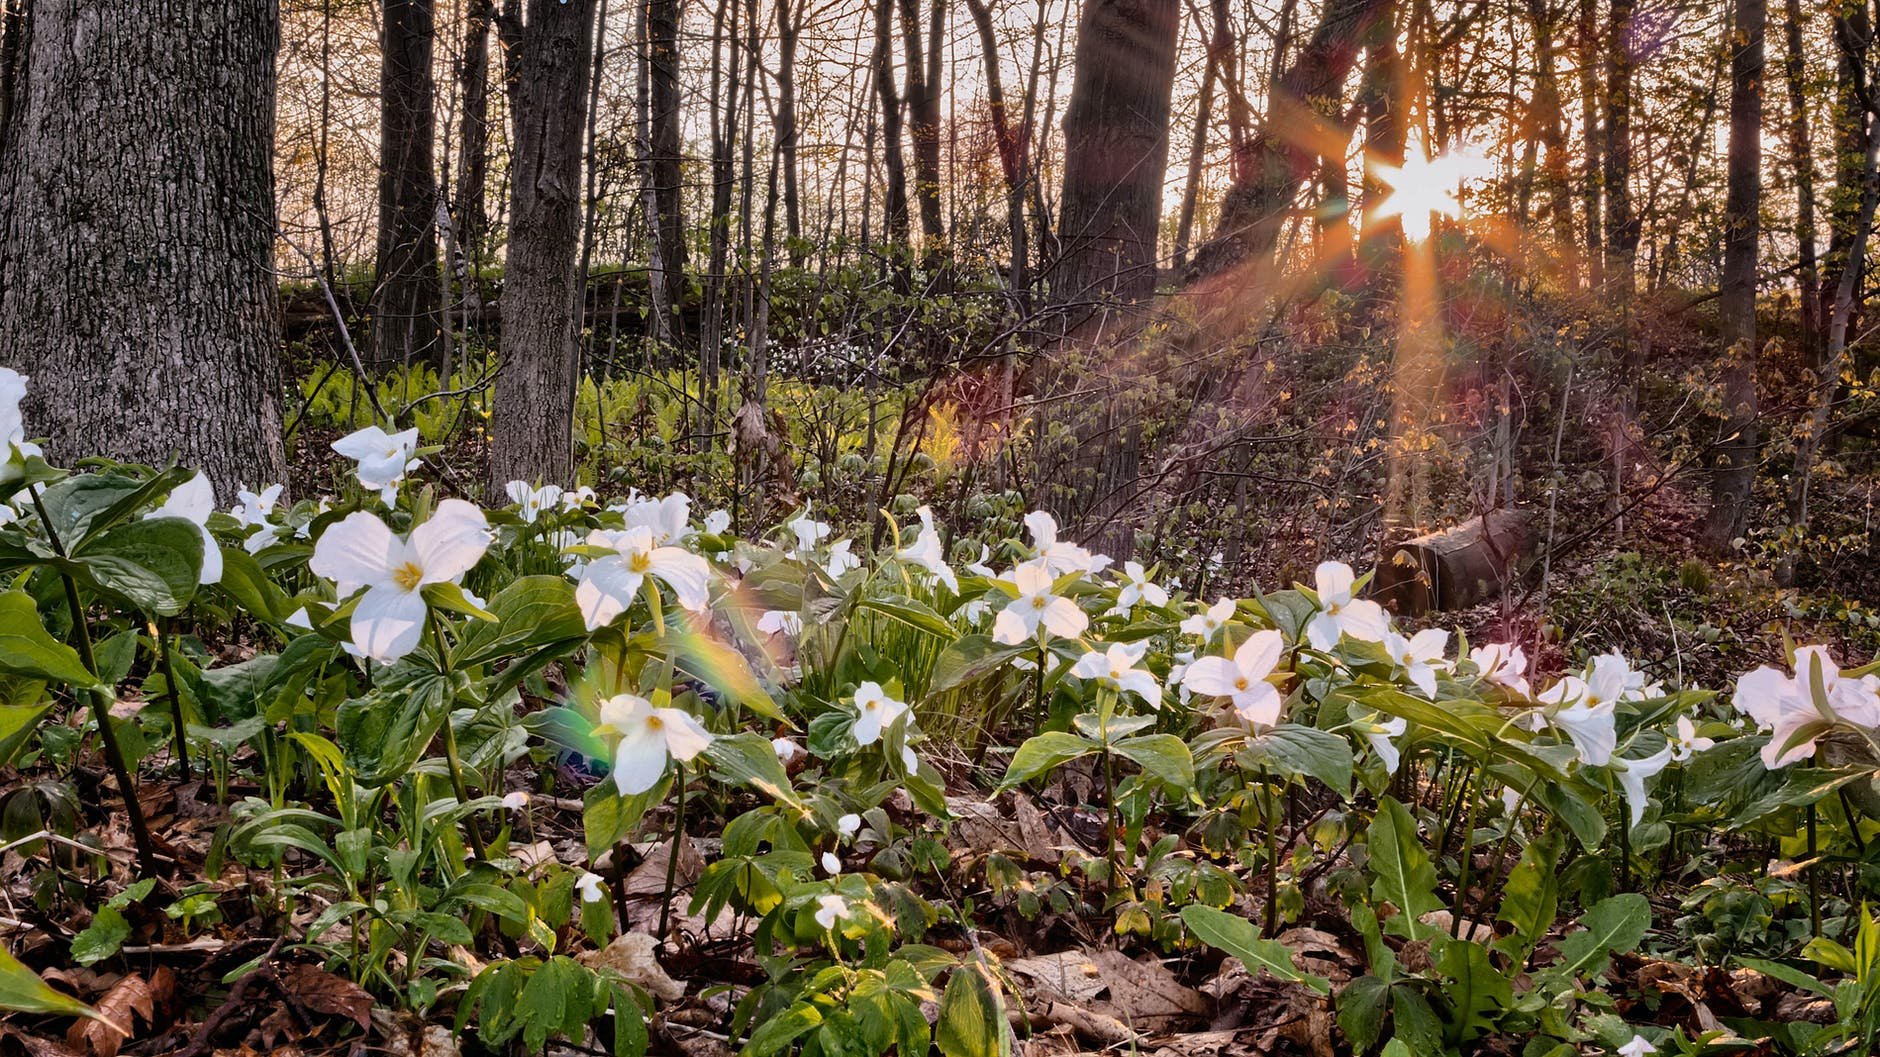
{"points": [[549, 61], [136, 233], [405, 302]]}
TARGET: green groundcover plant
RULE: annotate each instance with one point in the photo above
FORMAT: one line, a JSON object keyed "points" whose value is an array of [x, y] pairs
{"points": [[1494, 845]]}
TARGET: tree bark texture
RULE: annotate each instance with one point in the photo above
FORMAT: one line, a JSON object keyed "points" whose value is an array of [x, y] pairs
{"points": [[136, 233], [406, 302], [1733, 487], [550, 59], [1116, 139]]}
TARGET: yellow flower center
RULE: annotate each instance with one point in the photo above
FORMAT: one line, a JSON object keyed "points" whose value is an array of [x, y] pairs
{"points": [[1116, 673], [639, 561], [1240, 683], [1038, 602], [406, 576], [870, 706], [655, 723]]}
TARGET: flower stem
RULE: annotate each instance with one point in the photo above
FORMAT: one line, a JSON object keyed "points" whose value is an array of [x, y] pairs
{"points": [[451, 759], [672, 852], [161, 631], [101, 704]]}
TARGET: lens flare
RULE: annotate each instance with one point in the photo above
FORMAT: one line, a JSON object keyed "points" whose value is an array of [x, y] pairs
{"points": [[1423, 187]]}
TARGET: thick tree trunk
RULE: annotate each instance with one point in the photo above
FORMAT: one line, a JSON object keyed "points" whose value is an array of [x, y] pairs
{"points": [[1116, 140], [1853, 131], [1285, 152], [1733, 486], [136, 234], [1011, 152], [405, 301], [550, 58], [789, 32], [1551, 130]]}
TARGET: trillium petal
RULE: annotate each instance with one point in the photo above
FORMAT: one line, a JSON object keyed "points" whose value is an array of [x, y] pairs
{"points": [[1258, 705], [686, 573], [685, 736], [606, 589], [1333, 581], [1323, 631], [211, 557], [358, 551], [1364, 619], [1143, 685], [388, 622], [639, 760], [451, 542], [1064, 618], [1215, 676], [1256, 657], [1015, 624]]}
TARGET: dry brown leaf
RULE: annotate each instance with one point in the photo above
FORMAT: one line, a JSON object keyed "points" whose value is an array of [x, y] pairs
{"points": [[1071, 975], [632, 956], [132, 1000], [1143, 995], [319, 991]]}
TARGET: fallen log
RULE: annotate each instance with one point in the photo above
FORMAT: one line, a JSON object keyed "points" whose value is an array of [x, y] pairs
{"points": [[1455, 568]]}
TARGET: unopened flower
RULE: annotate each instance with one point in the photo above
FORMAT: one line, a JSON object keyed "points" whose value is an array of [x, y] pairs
{"points": [[927, 552], [1632, 775], [592, 887], [787, 750]]}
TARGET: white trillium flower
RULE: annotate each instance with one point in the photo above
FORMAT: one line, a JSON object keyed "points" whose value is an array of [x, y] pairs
{"points": [[841, 560], [978, 566], [361, 551], [830, 909], [831, 864], [575, 498], [849, 825], [610, 583], [1060, 556], [1380, 736], [787, 750], [1502, 663], [1801, 708], [1632, 775], [14, 448], [808, 532], [256, 510], [875, 713], [1686, 743], [515, 801], [1242, 680], [717, 522], [1592, 724], [648, 738], [1137, 587], [1037, 606], [668, 518], [531, 502], [1420, 656], [1339, 613], [927, 552], [194, 501], [1116, 669], [592, 888], [1211, 619], [1638, 1047], [383, 458]]}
